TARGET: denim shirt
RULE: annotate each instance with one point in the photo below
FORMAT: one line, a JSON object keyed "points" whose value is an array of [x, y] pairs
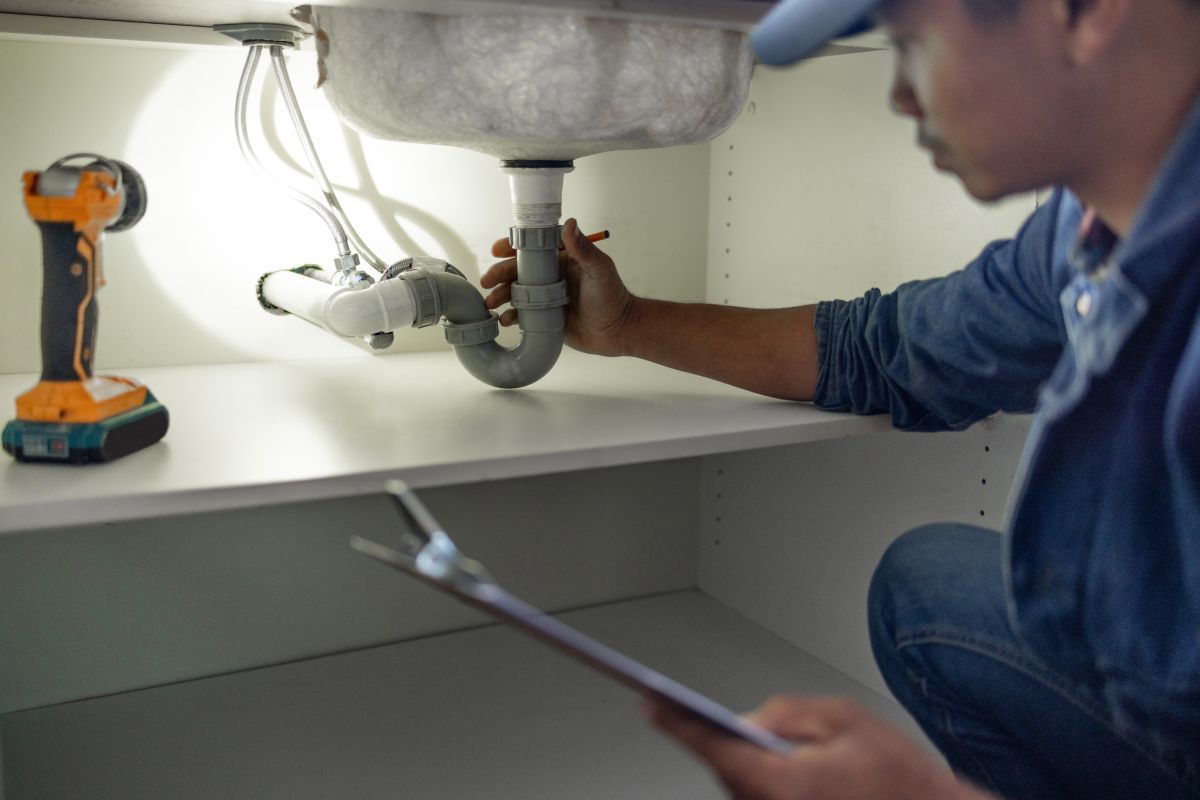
{"points": [[1102, 339]]}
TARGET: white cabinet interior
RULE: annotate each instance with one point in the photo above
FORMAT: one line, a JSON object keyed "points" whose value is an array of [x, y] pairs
{"points": [[742, 574], [190, 623]]}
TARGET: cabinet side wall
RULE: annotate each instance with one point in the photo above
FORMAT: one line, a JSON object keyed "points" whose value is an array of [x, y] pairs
{"points": [[817, 192], [791, 536]]}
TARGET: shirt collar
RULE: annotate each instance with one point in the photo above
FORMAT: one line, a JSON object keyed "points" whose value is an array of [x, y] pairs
{"points": [[1094, 244]]}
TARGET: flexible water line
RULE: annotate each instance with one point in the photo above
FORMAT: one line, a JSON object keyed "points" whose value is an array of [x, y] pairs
{"points": [[243, 137], [314, 161]]}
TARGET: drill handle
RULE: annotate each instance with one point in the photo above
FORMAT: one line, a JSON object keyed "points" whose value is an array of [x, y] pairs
{"points": [[71, 277]]}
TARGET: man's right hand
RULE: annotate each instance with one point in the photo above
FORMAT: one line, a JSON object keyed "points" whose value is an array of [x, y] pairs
{"points": [[601, 312], [769, 351]]}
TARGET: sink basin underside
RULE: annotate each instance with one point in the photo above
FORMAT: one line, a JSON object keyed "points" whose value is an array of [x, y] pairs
{"points": [[530, 86]]}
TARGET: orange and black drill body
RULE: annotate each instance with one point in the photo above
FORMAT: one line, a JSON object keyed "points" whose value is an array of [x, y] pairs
{"points": [[71, 278], [72, 415]]}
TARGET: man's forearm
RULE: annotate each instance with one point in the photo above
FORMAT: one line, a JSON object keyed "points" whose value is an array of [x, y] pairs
{"points": [[768, 351]]}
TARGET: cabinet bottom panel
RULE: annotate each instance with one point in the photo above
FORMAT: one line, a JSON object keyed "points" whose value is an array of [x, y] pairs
{"points": [[478, 713]]}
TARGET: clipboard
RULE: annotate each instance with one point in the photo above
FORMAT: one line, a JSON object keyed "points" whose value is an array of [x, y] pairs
{"points": [[428, 554]]}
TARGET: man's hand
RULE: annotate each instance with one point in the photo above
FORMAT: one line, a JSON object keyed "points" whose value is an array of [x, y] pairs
{"points": [[601, 308], [842, 751], [769, 351]]}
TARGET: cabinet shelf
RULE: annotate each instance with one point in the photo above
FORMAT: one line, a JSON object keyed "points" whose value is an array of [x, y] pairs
{"points": [[480, 713], [252, 434]]}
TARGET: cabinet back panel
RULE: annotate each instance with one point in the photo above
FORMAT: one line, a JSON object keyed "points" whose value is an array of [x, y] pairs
{"points": [[95, 610]]}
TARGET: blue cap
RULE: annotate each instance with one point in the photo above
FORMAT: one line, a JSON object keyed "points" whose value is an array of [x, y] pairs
{"points": [[793, 29]]}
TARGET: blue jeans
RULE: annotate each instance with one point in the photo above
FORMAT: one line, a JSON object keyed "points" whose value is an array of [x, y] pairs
{"points": [[1003, 719]]}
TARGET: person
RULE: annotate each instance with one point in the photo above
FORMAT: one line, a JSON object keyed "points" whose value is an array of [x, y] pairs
{"points": [[1061, 659]]}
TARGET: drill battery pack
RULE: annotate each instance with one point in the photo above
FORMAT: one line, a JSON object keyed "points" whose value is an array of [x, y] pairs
{"points": [[88, 442]]}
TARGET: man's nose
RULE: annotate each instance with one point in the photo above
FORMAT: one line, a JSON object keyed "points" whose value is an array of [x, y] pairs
{"points": [[901, 97]]}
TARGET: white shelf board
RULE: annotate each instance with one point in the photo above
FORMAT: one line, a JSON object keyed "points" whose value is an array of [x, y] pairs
{"points": [[254, 434], [482, 713]]}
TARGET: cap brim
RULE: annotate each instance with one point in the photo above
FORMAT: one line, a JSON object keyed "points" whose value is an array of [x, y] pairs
{"points": [[794, 29]]}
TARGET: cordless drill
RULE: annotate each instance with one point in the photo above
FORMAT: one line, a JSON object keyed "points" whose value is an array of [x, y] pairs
{"points": [[72, 415]]}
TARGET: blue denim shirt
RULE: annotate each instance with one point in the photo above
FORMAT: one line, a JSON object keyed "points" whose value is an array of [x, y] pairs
{"points": [[1102, 338]]}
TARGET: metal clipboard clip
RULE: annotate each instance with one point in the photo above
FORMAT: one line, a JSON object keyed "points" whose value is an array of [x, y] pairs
{"points": [[425, 549]]}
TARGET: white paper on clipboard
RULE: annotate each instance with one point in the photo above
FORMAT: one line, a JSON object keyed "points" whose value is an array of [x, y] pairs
{"points": [[427, 553]]}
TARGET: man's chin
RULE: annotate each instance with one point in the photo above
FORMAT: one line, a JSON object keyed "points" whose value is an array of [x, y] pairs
{"points": [[976, 185], [983, 191]]}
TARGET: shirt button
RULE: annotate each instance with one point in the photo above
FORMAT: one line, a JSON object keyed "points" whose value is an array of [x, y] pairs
{"points": [[1083, 304]]}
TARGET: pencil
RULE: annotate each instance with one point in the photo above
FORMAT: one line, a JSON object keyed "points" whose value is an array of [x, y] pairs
{"points": [[599, 236]]}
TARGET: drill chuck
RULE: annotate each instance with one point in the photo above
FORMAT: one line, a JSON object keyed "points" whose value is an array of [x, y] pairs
{"points": [[135, 199]]}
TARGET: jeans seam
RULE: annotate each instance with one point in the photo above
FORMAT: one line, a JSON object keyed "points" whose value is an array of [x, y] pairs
{"points": [[980, 768], [1037, 672]]}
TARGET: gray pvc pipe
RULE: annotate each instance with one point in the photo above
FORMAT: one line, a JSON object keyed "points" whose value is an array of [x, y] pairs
{"points": [[459, 301], [503, 368], [542, 330]]}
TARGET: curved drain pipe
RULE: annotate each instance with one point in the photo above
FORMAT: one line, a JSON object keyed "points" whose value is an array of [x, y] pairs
{"points": [[539, 297], [419, 292]]}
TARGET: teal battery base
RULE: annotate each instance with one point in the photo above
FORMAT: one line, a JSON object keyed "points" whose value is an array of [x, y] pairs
{"points": [[87, 443]]}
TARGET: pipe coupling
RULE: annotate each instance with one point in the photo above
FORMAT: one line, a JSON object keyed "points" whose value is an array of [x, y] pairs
{"points": [[535, 238], [346, 263], [469, 333], [536, 298], [426, 302]]}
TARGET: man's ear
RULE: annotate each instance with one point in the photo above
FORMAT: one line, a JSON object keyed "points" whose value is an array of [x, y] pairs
{"points": [[1090, 27]]}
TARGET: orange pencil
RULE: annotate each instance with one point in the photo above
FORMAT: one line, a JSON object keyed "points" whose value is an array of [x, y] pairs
{"points": [[594, 237]]}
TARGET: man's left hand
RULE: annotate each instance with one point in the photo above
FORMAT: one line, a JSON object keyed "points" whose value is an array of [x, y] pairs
{"points": [[842, 751]]}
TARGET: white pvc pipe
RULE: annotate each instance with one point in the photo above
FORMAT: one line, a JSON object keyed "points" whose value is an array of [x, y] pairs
{"points": [[536, 195], [342, 310]]}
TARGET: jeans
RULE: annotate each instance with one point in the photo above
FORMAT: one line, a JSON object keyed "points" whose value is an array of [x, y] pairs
{"points": [[1003, 719]]}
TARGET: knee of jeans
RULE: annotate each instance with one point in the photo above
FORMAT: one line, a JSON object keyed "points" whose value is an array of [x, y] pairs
{"points": [[901, 571], [904, 574]]}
